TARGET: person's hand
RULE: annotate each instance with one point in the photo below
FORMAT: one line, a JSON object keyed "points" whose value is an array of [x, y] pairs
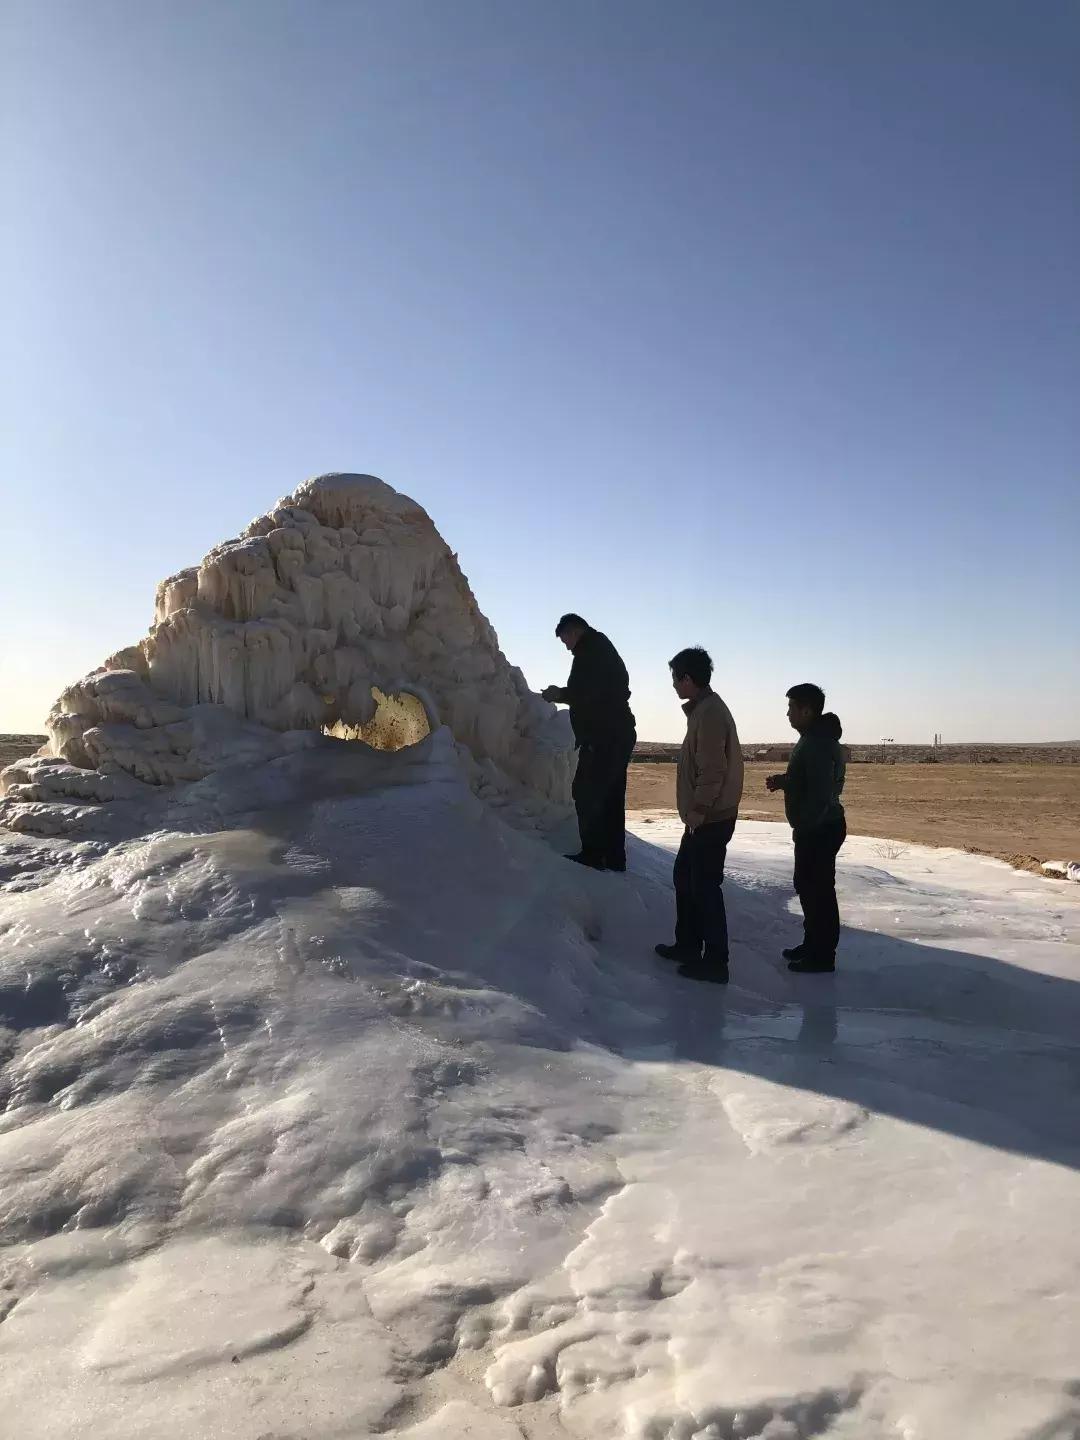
{"points": [[551, 693]]}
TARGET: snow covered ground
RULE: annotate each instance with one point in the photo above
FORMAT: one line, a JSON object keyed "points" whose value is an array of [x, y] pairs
{"points": [[369, 1114]]}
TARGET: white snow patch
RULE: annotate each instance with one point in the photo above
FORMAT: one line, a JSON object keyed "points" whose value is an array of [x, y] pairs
{"points": [[360, 1112]]}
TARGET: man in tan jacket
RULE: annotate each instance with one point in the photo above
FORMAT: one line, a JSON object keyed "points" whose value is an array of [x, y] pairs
{"points": [[707, 791]]}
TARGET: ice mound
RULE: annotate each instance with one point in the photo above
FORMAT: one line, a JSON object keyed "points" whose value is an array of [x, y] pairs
{"points": [[332, 1105], [293, 1104], [340, 612], [366, 1116]]}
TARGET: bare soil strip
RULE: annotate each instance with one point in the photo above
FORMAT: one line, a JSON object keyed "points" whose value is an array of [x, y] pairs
{"points": [[1024, 814]]}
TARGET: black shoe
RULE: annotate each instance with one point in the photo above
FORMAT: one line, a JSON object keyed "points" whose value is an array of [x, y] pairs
{"points": [[679, 953], [796, 952], [581, 859], [619, 866], [813, 965], [711, 974]]}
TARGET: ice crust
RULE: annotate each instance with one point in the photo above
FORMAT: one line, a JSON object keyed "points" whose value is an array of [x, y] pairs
{"points": [[367, 1114]]}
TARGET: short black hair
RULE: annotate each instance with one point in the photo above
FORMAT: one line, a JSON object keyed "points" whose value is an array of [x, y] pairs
{"points": [[569, 621], [693, 662], [812, 696]]}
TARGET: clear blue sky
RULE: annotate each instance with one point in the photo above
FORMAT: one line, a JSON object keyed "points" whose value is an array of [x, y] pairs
{"points": [[749, 324]]}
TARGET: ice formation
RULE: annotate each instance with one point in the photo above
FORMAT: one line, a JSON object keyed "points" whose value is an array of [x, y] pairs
{"points": [[341, 611], [332, 1105], [380, 1120]]}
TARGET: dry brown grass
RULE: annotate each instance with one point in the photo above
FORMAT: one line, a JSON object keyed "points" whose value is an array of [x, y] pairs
{"points": [[14, 747], [1023, 813]]}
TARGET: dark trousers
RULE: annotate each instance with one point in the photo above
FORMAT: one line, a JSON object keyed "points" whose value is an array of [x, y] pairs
{"points": [[600, 799], [700, 915], [815, 885]]}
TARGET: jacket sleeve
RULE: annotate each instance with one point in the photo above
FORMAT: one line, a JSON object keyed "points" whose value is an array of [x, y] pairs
{"points": [[582, 687], [578, 694], [711, 763], [817, 789], [596, 685]]}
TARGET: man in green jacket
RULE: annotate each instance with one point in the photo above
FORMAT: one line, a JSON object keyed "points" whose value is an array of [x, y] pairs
{"points": [[812, 786], [708, 788]]}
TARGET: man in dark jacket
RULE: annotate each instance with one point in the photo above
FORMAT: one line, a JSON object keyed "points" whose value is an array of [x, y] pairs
{"points": [[598, 693], [812, 787]]}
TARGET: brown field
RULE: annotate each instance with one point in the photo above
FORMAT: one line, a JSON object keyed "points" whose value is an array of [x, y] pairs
{"points": [[1024, 813], [1054, 753], [14, 747]]}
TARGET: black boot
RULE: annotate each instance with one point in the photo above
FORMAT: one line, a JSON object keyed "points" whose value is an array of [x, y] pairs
{"points": [[796, 952], [679, 953], [813, 965], [704, 970], [582, 859]]}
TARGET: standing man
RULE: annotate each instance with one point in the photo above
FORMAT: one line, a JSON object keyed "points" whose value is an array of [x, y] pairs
{"points": [[812, 786], [598, 693], [708, 789]]}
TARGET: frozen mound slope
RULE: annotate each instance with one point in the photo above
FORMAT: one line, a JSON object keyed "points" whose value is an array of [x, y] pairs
{"points": [[373, 1117], [292, 1106], [342, 597]]}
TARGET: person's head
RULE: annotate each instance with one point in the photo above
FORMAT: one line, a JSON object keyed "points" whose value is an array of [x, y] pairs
{"points": [[830, 725], [805, 704], [570, 629], [691, 671]]}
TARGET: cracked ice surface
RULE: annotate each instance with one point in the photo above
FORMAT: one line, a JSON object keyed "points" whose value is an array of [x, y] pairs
{"points": [[364, 1113]]}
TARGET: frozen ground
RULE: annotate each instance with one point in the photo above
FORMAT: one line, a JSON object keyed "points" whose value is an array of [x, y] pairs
{"points": [[370, 1115]]}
